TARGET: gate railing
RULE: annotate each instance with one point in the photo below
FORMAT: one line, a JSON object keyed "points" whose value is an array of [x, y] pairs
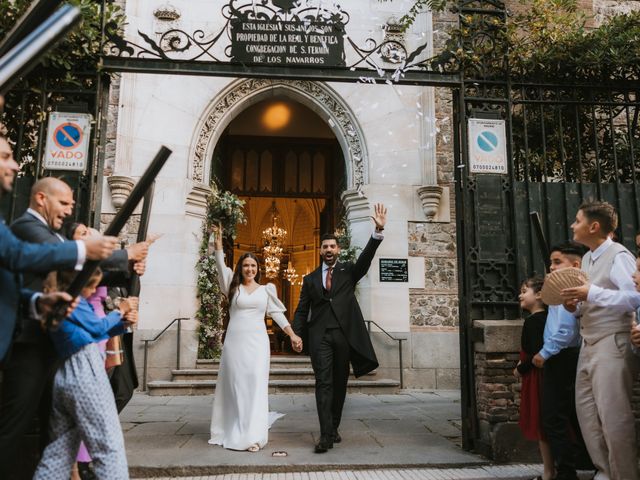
{"points": [[146, 348], [399, 340]]}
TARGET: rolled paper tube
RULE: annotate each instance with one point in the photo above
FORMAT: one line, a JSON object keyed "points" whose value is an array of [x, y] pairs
{"points": [[134, 284], [37, 13], [27, 53], [542, 242], [116, 225]]}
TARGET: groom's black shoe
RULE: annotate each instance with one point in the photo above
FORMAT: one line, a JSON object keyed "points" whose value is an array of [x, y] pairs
{"points": [[323, 445], [336, 437]]}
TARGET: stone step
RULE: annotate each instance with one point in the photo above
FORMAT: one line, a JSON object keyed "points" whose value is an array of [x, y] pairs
{"points": [[207, 387], [275, 373], [280, 361]]}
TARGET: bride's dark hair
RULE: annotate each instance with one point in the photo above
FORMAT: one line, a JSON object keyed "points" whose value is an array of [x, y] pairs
{"points": [[237, 274]]}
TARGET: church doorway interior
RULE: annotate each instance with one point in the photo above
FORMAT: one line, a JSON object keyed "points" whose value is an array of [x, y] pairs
{"points": [[284, 161]]}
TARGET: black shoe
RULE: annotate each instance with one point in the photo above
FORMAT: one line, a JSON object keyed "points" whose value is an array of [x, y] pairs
{"points": [[323, 445], [336, 437]]}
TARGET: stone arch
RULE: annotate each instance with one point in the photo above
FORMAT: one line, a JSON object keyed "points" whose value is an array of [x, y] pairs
{"points": [[318, 97]]}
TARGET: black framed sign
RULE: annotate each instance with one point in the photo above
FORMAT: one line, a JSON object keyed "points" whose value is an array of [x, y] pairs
{"points": [[287, 42], [394, 270]]}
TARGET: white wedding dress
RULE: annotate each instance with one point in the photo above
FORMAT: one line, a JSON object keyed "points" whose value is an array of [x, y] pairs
{"points": [[240, 416]]}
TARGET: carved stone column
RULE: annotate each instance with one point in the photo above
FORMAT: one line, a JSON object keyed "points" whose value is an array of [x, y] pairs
{"points": [[357, 206], [120, 186]]}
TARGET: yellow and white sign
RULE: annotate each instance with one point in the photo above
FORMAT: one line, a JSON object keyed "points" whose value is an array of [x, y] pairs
{"points": [[487, 146], [68, 137]]}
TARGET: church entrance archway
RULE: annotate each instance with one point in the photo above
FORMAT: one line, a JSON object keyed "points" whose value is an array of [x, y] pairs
{"points": [[285, 162]]}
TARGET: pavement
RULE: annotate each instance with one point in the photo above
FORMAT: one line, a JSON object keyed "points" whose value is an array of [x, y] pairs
{"points": [[413, 435]]}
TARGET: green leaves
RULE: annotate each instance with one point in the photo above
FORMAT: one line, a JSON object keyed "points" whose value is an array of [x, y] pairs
{"points": [[547, 40]]}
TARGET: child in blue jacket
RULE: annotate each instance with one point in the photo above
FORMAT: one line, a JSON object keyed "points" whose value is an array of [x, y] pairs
{"points": [[83, 404]]}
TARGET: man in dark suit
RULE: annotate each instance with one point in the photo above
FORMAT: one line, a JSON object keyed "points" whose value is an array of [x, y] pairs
{"points": [[18, 256], [329, 320]]}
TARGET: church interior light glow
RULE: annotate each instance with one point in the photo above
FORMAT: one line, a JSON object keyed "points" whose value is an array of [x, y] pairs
{"points": [[276, 116]]}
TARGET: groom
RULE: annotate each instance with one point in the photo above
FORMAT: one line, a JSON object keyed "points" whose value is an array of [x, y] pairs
{"points": [[334, 330]]}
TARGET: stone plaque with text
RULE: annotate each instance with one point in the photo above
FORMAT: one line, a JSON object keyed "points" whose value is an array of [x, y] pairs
{"points": [[394, 270], [278, 42]]}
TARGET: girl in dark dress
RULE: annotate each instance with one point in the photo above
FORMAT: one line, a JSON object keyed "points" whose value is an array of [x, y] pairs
{"points": [[531, 342]]}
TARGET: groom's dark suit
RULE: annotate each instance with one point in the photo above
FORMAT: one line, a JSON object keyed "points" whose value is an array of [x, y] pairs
{"points": [[332, 328]]}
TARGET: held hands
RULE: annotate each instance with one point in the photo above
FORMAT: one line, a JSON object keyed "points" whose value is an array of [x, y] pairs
{"points": [[296, 343], [380, 216]]}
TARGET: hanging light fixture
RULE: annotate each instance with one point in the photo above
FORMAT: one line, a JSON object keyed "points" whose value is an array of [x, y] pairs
{"points": [[290, 274], [273, 238]]}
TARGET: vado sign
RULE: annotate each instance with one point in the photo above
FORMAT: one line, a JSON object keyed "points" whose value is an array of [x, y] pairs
{"points": [[67, 141]]}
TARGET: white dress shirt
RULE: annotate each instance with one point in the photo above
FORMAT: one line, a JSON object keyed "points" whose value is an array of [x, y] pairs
{"points": [[626, 298], [82, 250]]}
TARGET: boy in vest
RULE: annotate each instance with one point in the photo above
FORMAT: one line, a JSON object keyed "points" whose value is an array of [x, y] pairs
{"points": [[559, 358], [605, 375]]}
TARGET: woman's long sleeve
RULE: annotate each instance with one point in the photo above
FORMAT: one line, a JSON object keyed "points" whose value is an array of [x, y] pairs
{"points": [[275, 308], [225, 274]]}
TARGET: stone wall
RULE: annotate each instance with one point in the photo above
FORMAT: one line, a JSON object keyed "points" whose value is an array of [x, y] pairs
{"points": [[498, 392]]}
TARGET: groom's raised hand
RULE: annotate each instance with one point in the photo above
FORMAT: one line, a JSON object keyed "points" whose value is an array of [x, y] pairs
{"points": [[380, 217]]}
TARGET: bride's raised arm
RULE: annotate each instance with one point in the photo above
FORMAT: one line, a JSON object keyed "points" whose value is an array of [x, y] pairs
{"points": [[225, 274]]}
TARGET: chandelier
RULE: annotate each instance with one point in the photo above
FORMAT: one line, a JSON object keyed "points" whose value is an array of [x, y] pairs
{"points": [[290, 274], [273, 238]]}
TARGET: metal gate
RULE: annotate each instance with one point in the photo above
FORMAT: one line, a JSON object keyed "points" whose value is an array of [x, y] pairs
{"points": [[565, 144], [27, 110]]}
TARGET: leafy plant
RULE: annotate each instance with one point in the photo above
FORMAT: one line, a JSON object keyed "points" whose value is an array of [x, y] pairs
{"points": [[544, 40], [348, 252], [225, 208]]}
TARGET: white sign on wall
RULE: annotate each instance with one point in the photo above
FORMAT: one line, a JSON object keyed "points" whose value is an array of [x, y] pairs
{"points": [[487, 146], [68, 137]]}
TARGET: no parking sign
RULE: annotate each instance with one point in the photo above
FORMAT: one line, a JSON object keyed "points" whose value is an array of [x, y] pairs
{"points": [[67, 141], [487, 146]]}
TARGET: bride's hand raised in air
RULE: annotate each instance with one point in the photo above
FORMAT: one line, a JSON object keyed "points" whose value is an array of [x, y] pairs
{"points": [[216, 231]]}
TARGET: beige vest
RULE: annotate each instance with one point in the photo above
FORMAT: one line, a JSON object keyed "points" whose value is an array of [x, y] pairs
{"points": [[598, 322]]}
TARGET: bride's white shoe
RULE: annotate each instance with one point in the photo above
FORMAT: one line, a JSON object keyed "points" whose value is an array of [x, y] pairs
{"points": [[253, 448]]}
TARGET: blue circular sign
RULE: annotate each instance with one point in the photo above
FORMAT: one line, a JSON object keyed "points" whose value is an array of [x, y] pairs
{"points": [[67, 135], [487, 141]]}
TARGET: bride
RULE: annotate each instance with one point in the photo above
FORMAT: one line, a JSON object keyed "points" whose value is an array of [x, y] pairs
{"points": [[240, 417]]}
